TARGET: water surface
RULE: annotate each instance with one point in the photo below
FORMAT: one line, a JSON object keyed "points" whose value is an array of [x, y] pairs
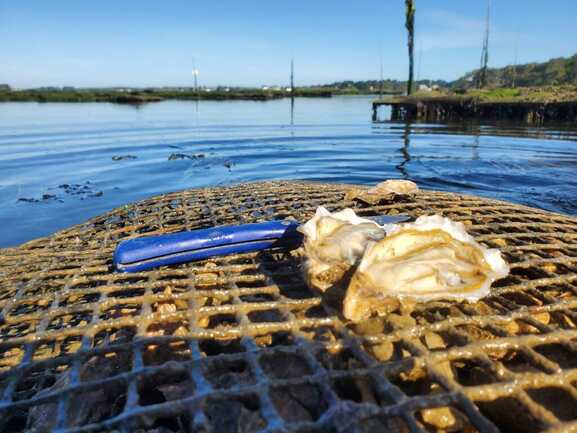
{"points": [[57, 166]]}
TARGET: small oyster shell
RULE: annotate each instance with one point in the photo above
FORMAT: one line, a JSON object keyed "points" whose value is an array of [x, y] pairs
{"points": [[395, 186], [334, 243], [383, 190], [430, 259]]}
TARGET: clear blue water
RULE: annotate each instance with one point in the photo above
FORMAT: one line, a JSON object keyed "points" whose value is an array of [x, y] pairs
{"points": [[57, 167]]}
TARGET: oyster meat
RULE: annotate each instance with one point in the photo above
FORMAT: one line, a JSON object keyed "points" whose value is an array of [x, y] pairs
{"points": [[432, 258], [334, 243]]}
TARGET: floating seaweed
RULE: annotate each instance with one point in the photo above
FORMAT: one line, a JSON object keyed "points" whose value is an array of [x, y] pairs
{"points": [[174, 156], [59, 193], [123, 157]]}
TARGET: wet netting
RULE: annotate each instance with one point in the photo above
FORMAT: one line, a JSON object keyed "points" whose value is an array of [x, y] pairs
{"points": [[241, 344]]}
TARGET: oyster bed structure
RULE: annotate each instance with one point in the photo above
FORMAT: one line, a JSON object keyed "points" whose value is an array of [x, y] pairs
{"points": [[241, 343]]}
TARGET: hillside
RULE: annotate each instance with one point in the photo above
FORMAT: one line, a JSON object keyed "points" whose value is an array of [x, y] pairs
{"points": [[554, 72], [560, 71]]}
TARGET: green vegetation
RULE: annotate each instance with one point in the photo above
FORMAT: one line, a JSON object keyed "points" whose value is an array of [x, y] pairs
{"points": [[551, 73], [151, 95], [546, 94], [495, 94], [526, 94], [368, 87]]}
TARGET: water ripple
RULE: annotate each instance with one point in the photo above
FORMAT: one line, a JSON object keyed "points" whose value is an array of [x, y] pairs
{"points": [[57, 166]]}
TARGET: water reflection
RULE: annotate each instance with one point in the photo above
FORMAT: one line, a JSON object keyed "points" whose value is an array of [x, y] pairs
{"points": [[405, 151], [292, 111], [502, 129], [475, 147]]}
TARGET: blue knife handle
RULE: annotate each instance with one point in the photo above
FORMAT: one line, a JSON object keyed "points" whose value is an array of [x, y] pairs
{"points": [[148, 252]]}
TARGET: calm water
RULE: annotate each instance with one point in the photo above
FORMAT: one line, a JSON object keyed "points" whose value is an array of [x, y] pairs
{"points": [[57, 167]]}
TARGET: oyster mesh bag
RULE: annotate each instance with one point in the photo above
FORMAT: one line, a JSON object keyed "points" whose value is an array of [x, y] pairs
{"points": [[241, 344]]}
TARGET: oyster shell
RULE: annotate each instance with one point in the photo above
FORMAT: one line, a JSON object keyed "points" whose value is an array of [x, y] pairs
{"points": [[430, 259], [334, 243], [395, 186], [383, 190]]}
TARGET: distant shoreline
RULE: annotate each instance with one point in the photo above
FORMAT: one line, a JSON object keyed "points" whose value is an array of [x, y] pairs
{"points": [[145, 96]]}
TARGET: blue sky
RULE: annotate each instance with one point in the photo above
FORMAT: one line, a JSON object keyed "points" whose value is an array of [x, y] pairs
{"points": [[244, 42]]}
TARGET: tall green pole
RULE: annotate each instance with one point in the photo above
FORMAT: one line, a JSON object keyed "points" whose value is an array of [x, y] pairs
{"points": [[410, 25]]}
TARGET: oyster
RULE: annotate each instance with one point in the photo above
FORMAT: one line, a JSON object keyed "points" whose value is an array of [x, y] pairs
{"points": [[395, 186], [433, 258], [383, 190], [334, 243]]}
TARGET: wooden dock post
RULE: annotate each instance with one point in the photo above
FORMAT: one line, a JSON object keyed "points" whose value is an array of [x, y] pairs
{"points": [[445, 109]]}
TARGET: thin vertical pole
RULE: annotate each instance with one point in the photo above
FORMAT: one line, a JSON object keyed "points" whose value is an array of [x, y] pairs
{"points": [[381, 70], [292, 91], [420, 60], [485, 51], [515, 61], [292, 77], [195, 76]]}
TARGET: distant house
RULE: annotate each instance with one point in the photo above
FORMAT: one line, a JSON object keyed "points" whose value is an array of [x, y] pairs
{"points": [[5, 88], [424, 88]]}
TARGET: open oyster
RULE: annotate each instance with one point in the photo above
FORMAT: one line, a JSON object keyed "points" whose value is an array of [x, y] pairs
{"points": [[334, 243], [430, 259], [384, 190]]}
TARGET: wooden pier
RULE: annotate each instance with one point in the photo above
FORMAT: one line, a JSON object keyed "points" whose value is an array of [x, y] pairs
{"points": [[455, 109]]}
